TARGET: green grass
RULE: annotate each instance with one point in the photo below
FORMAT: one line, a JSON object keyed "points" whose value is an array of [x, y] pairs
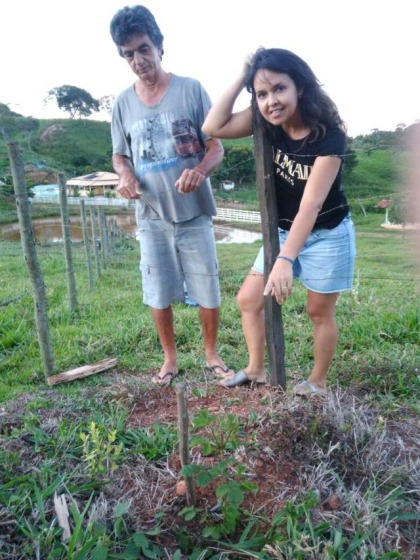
{"points": [[378, 320]]}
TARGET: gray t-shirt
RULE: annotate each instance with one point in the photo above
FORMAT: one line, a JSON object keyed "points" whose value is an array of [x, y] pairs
{"points": [[162, 141]]}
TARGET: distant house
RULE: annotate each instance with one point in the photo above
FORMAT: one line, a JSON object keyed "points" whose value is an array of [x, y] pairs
{"points": [[227, 185], [385, 203], [99, 182]]}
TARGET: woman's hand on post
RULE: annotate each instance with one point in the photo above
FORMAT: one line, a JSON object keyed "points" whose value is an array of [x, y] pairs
{"points": [[279, 283]]}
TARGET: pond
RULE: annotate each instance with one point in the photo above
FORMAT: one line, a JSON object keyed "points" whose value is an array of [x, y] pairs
{"points": [[48, 230]]}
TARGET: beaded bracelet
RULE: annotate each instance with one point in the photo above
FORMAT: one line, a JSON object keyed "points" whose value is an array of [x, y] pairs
{"points": [[291, 261]]}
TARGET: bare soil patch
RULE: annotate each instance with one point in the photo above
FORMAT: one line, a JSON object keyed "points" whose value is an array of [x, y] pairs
{"points": [[334, 448]]}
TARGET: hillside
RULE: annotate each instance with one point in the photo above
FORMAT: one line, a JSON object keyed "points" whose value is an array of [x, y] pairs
{"points": [[79, 146], [72, 146]]}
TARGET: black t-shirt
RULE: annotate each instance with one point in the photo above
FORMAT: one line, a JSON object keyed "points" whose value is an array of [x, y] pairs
{"points": [[293, 161]]}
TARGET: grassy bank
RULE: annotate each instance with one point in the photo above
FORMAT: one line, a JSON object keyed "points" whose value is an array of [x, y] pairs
{"points": [[359, 446]]}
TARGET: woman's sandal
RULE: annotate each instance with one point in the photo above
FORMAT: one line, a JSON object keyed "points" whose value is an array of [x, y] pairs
{"points": [[239, 379], [306, 388], [214, 371], [165, 380]]}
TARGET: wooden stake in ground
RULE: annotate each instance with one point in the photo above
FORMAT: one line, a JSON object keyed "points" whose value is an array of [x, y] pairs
{"points": [[268, 209], [181, 396], [31, 258]]}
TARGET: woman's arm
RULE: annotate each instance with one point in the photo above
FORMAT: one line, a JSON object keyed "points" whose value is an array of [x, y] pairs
{"points": [[221, 122], [322, 176]]}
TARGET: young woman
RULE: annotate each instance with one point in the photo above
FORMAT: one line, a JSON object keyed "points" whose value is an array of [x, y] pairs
{"points": [[316, 233]]}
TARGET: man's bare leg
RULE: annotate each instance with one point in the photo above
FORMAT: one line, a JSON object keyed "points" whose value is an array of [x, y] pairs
{"points": [[210, 326], [164, 323]]}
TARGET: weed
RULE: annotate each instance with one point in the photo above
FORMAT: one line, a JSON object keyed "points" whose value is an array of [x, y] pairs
{"points": [[154, 443], [100, 450], [222, 430], [230, 491]]}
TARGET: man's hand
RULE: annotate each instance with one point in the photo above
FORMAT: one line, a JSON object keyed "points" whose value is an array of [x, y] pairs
{"points": [[189, 181], [129, 186]]}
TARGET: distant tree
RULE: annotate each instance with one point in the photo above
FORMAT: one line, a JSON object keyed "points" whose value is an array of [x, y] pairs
{"points": [[350, 163], [238, 166], [106, 103], [7, 189], [73, 100]]}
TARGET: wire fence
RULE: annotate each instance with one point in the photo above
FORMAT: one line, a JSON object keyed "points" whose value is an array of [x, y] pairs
{"points": [[103, 246]]}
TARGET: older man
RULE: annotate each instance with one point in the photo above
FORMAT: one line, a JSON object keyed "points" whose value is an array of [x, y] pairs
{"points": [[164, 161]]}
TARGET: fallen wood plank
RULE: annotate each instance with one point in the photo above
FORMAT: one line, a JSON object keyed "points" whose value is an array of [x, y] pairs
{"points": [[80, 372]]}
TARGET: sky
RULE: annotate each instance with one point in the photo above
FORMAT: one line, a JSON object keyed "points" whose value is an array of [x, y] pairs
{"points": [[364, 52]]}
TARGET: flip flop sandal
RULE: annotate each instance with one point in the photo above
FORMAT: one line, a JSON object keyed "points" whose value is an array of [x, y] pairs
{"points": [[306, 388], [165, 380], [240, 378], [214, 370]]}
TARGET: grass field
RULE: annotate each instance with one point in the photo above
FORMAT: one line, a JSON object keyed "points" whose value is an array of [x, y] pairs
{"points": [[369, 421]]}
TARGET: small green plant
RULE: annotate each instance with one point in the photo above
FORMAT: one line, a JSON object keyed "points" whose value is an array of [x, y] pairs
{"points": [[230, 494], [222, 432], [100, 450]]}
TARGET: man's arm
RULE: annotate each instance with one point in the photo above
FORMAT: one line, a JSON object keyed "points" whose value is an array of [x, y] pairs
{"points": [[191, 179], [128, 184]]}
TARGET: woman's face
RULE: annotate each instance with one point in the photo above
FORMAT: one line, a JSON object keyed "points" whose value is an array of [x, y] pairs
{"points": [[277, 97]]}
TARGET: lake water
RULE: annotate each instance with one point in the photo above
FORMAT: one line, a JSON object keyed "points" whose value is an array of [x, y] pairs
{"points": [[48, 230], [45, 190]]}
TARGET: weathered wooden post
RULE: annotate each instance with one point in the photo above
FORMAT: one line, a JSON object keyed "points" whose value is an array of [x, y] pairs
{"points": [[31, 258], [268, 209], [65, 224], [181, 396], [95, 239], [104, 235], [86, 242]]}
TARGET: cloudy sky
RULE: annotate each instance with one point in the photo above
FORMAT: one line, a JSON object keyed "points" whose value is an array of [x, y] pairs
{"points": [[364, 52]]}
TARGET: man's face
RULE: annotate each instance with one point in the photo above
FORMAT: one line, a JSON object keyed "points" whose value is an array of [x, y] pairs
{"points": [[143, 57]]}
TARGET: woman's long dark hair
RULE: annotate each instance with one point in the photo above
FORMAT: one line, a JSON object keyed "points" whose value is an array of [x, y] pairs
{"points": [[317, 109]]}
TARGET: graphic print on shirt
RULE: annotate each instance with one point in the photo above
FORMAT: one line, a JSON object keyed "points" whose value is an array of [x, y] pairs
{"points": [[289, 169], [159, 141]]}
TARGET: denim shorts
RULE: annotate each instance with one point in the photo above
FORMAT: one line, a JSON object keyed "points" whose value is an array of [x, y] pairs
{"points": [[175, 256], [325, 263]]}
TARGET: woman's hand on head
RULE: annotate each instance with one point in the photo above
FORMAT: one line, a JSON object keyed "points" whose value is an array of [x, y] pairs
{"points": [[248, 61]]}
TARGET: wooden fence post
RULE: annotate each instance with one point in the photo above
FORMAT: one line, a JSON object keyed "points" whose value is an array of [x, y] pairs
{"points": [[268, 209], [86, 242], [65, 224], [104, 236], [95, 238], [31, 258], [181, 396]]}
